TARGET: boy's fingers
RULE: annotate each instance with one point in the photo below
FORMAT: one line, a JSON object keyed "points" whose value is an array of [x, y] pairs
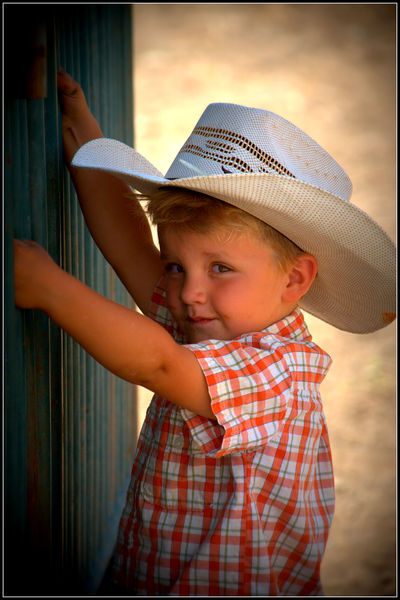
{"points": [[66, 84]]}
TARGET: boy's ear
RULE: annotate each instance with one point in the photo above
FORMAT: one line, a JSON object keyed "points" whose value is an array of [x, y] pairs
{"points": [[301, 274]]}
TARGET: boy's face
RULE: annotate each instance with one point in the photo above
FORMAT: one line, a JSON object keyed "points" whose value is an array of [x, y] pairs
{"points": [[221, 289]]}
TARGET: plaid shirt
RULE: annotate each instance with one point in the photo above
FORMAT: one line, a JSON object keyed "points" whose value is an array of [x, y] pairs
{"points": [[241, 505]]}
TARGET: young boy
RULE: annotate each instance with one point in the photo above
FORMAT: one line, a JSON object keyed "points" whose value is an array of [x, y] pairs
{"points": [[232, 487]]}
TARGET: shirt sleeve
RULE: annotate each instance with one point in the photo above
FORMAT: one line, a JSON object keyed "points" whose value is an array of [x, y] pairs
{"points": [[250, 390]]}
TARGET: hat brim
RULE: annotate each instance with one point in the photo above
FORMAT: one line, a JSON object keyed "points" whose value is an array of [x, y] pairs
{"points": [[355, 286]]}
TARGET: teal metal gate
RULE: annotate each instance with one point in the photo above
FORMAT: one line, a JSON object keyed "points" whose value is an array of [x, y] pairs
{"points": [[69, 425]]}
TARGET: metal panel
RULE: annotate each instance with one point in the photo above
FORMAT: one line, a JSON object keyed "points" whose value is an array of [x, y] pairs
{"points": [[70, 426]]}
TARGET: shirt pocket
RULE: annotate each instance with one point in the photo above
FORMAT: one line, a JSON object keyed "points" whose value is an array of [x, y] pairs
{"points": [[178, 476]]}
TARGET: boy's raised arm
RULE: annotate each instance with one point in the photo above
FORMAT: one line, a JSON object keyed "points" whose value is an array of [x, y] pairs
{"points": [[118, 224]]}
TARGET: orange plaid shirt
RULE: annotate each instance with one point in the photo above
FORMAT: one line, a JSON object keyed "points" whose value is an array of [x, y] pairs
{"points": [[241, 505]]}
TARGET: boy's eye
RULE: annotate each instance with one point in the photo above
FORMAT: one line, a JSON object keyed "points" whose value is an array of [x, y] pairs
{"points": [[174, 268], [219, 268]]}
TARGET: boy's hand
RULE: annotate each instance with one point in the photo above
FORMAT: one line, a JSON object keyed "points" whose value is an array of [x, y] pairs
{"points": [[73, 101], [78, 124], [35, 273]]}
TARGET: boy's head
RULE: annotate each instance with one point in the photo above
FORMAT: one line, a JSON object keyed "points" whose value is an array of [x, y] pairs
{"points": [[266, 166], [227, 272]]}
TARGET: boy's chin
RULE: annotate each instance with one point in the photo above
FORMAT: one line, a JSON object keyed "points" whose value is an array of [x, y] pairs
{"points": [[203, 335]]}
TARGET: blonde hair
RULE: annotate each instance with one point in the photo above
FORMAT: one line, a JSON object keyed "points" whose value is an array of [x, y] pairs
{"points": [[203, 214]]}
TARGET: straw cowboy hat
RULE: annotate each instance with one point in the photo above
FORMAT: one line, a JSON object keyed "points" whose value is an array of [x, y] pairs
{"points": [[263, 164]]}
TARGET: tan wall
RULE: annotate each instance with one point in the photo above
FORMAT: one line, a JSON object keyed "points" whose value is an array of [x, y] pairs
{"points": [[330, 69]]}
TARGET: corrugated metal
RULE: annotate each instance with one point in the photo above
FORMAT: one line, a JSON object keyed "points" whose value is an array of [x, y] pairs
{"points": [[70, 426]]}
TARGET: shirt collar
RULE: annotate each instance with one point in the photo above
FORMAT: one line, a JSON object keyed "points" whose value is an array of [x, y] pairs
{"points": [[293, 326]]}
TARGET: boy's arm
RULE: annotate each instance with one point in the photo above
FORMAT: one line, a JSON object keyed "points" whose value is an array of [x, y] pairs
{"points": [[129, 344], [118, 225]]}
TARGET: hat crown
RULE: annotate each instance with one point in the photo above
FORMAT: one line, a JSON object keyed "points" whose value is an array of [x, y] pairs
{"points": [[230, 138]]}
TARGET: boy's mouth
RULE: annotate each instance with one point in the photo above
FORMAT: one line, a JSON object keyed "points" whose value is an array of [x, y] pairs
{"points": [[199, 320]]}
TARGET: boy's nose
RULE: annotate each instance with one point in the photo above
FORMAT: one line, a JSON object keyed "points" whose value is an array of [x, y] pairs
{"points": [[193, 291]]}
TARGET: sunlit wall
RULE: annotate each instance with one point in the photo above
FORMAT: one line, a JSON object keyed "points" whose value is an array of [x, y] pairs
{"points": [[330, 69]]}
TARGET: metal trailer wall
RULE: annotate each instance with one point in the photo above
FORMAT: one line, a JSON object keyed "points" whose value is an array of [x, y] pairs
{"points": [[69, 425]]}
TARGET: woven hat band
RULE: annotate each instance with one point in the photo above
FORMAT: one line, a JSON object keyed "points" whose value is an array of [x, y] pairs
{"points": [[230, 138], [224, 146]]}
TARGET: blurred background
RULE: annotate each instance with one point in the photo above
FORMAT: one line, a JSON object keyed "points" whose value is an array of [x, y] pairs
{"points": [[330, 69]]}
